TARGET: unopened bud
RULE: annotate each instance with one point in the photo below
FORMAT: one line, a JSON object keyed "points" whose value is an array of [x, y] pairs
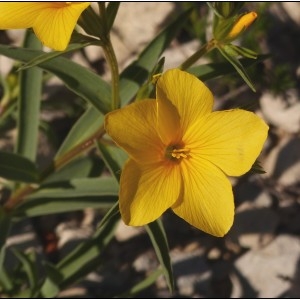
{"points": [[241, 24]]}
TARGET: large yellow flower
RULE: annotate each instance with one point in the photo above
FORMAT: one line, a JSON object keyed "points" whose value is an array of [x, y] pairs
{"points": [[52, 22], [180, 153]]}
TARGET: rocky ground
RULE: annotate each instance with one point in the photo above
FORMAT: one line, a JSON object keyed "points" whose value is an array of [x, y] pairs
{"points": [[260, 256]]}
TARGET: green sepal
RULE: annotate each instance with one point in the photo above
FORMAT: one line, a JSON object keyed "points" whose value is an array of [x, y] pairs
{"points": [[257, 168], [226, 9], [111, 13], [222, 28], [147, 88], [234, 50], [92, 23]]}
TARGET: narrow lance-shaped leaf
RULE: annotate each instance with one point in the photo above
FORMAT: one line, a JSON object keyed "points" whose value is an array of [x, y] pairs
{"points": [[75, 194], [148, 281], [159, 241], [17, 168], [50, 55], [29, 267], [78, 79], [239, 68], [234, 50], [214, 70], [29, 104], [6, 281], [50, 287], [86, 126], [114, 159]]}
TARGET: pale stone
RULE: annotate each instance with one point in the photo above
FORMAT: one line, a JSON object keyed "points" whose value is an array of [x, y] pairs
{"points": [[124, 232], [267, 268], [293, 10], [253, 227], [282, 113]]}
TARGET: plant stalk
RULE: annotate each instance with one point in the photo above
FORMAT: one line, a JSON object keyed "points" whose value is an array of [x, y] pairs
{"points": [[197, 55]]}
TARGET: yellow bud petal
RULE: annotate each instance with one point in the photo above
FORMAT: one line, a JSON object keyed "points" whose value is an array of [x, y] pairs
{"points": [[242, 23]]}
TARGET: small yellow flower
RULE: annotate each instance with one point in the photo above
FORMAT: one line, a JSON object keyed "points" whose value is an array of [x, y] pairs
{"points": [[180, 153], [52, 22], [241, 24]]}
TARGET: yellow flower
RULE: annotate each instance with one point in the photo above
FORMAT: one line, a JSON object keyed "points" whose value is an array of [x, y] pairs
{"points": [[52, 22], [180, 153], [242, 24]]}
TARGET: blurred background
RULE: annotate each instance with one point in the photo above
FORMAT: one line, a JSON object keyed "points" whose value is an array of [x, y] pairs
{"points": [[260, 256]]}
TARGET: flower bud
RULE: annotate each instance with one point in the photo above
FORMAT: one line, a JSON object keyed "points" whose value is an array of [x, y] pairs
{"points": [[241, 24]]}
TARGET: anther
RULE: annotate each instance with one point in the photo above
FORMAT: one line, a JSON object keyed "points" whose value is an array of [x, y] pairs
{"points": [[180, 153]]}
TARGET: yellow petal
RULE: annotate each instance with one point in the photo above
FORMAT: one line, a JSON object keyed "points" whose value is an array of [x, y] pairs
{"points": [[189, 95], [147, 191], [168, 122], [18, 15], [207, 200], [232, 140], [133, 128], [52, 22], [56, 22]]}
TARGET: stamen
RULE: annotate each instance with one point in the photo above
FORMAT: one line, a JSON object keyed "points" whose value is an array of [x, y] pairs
{"points": [[177, 152], [180, 153]]}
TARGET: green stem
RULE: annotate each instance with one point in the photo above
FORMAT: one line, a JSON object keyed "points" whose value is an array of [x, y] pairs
{"points": [[112, 61], [197, 55], [111, 58]]}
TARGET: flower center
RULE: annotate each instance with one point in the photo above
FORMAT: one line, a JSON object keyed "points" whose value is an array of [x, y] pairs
{"points": [[177, 152]]}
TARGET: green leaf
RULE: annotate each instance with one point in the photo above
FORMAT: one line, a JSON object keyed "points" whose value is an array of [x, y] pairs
{"points": [[17, 168], [78, 79], [111, 12], [114, 158], [75, 194], [87, 256], [50, 287], [5, 223], [50, 55], [214, 70], [80, 167], [114, 211], [29, 104], [87, 125], [102, 186], [239, 68], [159, 241], [28, 265], [133, 77], [150, 279]]}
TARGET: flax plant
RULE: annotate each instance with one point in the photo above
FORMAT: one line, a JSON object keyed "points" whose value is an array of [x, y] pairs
{"points": [[154, 129]]}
